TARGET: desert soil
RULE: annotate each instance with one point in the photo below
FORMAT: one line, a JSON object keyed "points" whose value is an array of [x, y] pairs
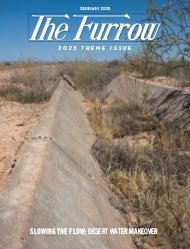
{"points": [[16, 124]]}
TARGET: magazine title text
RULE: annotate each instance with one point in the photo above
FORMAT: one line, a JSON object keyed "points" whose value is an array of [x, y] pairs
{"points": [[91, 28]]}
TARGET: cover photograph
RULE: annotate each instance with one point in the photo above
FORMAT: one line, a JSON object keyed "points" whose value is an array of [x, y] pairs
{"points": [[95, 124]]}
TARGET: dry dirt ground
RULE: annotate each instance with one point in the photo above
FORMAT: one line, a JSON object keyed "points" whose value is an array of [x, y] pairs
{"points": [[16, 124]]}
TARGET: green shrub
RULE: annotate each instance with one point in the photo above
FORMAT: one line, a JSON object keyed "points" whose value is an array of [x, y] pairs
{"points": [[7, 63], [13, 93]]}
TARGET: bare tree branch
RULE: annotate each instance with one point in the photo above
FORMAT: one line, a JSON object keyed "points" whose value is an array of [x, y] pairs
{"points": [[175, 19]]}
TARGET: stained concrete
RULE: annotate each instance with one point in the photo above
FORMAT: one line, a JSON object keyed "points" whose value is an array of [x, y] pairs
{"points": [[167, 103], [58, 184]]}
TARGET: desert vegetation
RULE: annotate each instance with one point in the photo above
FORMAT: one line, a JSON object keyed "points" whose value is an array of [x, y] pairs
{"points": [[146, 65], [30, 82], [90, 77], [33, 82], [145, 163]]}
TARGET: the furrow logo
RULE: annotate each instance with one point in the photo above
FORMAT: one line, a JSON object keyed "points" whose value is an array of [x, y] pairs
{"points": [[80, 27]]}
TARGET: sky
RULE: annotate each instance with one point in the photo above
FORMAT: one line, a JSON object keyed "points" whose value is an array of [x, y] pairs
{"points": [[17, 25]]}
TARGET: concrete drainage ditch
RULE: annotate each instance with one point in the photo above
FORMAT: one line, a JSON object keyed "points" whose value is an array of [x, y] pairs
{"points": [[58, 184]]}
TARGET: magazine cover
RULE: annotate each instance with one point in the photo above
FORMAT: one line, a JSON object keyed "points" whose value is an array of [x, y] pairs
{"points": [[95, 124]]}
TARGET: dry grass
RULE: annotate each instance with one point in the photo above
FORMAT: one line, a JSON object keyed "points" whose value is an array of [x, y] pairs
{"points": [[30, 83], [155, 181], [118, 119], [90, 77]]}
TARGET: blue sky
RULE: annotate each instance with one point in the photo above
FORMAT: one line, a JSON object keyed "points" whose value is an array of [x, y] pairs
{"points": [[14, 29]]}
